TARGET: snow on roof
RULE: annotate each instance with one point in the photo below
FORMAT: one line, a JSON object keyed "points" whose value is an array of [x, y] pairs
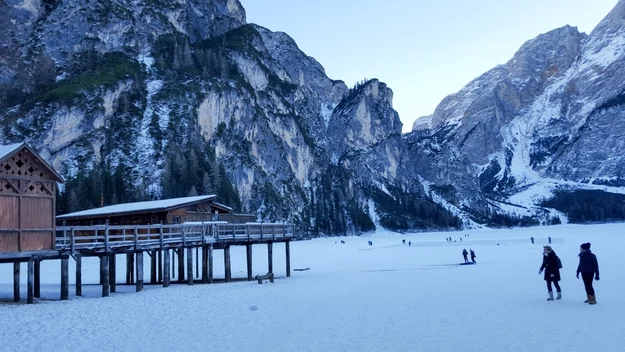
{"points": [[137, 206], [7, 149]]}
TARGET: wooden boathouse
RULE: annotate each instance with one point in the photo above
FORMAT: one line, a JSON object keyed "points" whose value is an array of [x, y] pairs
{"points": [[164, 229]]}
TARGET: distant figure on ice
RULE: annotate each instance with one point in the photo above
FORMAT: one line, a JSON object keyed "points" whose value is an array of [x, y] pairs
{"points": [[342, 242], [472, 255], [589, 268], [403, 241], [460, 239], [532, 239], [409, 243], [464, 254], [549, 239], [551, 267]]}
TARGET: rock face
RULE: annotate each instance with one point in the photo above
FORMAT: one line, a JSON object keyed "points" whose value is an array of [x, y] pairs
{"points": [[552, 115], [167, 99]]}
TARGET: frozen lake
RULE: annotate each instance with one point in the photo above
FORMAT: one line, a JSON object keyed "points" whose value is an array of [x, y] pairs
{"points": [[355, 297]]}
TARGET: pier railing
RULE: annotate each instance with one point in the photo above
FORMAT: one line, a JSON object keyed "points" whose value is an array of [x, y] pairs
{"points": [[129, 237]]}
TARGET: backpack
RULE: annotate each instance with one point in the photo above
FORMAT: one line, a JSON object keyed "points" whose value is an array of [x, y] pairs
{"points": [[559, 263]]}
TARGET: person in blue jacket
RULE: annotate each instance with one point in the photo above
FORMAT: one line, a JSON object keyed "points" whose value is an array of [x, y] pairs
{"points": [[589, 268]]}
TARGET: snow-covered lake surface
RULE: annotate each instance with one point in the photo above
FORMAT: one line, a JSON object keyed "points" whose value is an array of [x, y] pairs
{"points": [[355, 297]]}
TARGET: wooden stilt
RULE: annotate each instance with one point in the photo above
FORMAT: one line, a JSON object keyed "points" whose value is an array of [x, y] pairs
{"points": [[270, 257], [130, 268], [78, 275], [101, 270], [159, 272], [173, 263], [64, 279], [106, 284], [113, 273], [197, 262], [181, 265], [228, 273], [31, 282], [16, 281], [139, 271], [210, 263], [204, 264], [153, 267], [189, 266], [248, 250], [37, 288], [288, 258], [166, 267]]}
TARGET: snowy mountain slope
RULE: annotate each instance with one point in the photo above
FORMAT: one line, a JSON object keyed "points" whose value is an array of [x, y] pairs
{"points": [[552, 115]]}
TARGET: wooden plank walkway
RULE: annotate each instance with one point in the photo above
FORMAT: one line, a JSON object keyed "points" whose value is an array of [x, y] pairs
{"points": [[161, 242], [114, 238]]}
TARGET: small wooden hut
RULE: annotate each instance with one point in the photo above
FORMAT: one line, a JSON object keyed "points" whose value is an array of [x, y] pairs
{"points": [[27, 200], [166, 211]]}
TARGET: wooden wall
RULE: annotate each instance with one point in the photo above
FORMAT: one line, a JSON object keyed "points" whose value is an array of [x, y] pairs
{"points": [[27, 203]]}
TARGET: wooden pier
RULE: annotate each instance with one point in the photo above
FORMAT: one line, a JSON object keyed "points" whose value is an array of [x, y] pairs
{"points": [[160, 242]]}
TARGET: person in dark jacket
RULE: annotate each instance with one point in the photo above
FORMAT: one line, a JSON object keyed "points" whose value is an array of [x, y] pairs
{"points": [[472, 255], [589, 268], [551, 267], [464, 254]]}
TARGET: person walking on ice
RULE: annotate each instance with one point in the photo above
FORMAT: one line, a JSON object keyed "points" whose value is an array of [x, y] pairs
{"points": [[551, 266], [464, 254], [589, 268], [472, 256]]}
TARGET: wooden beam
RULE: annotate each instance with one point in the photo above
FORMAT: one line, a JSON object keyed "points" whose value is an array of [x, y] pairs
{"points": [[16, 281], [181, 265], [106, 283], [190, 266], [210, 263], [139, 271], [197, 262], [248, 250], [101, 270], [64, 279], [153, 267], [160, 265], [130, 268], [270, 257], [37, 288], [166, 267], [288, 258], [113, 272], [31, 282], [78, 275], [204, 264], [228, 272]]}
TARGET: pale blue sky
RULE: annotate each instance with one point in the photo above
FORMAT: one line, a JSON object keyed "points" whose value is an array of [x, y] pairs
{"points": [[424, 50]]}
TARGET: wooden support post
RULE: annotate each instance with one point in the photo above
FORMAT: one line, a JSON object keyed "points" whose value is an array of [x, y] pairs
{"points": [[159, 272], [153, 267], [166, 267], [31, 282], [37, 288], [181, 265], [197, 262], [139, 271], [204, 264], [78, 275], [173, 263], [228, 273], [64, 279], [113, 273], [130, 268], [210, 263], [106, 284], [270, 257], [189, 266], [101, 270], [287, 246], [248, 250]]}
